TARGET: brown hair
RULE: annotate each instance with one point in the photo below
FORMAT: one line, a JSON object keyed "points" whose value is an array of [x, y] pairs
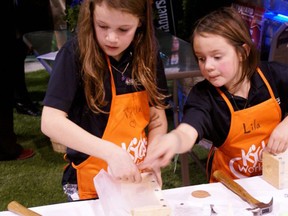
{"points": [[94, 64], [228, 23]]}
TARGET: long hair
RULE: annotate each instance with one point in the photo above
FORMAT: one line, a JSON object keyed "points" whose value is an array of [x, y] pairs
{"points": [[228, 23], [94, 64]]}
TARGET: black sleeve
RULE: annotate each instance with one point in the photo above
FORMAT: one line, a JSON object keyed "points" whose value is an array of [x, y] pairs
{"points": [[208, 113], [64, 80], [197, 109]]}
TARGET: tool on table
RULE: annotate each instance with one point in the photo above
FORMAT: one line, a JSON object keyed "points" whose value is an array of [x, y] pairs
{"points": [[212, 210], [21, 210], [259, 207]]}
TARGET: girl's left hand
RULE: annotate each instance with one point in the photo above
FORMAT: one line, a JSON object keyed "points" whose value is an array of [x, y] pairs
{"points": [[278, 141]]}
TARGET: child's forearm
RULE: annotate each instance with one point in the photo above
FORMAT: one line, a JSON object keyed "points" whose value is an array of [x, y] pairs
{"points": [[158, 124], [186, 136]]}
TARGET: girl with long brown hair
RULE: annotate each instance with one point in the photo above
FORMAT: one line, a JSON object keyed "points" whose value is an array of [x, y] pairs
{"points": [[106, 97]]}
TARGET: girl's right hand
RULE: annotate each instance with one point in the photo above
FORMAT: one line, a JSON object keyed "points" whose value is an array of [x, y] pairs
{"points": [[160, 154], [122, 167], [177, 141]]}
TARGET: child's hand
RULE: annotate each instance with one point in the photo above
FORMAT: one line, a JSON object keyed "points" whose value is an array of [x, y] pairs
{"points": [[278, 141], [122, 167], [160, 154], [177, 141]]}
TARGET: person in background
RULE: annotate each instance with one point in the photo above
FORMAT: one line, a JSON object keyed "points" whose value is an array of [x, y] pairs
{"points": [[9, 148], [240, 106], [58, 11], [22, 98], [31, 15], [106, 97]]}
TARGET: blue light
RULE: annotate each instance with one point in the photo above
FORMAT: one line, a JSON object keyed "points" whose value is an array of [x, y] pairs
{"points": [[283, 16], [277, 17]]}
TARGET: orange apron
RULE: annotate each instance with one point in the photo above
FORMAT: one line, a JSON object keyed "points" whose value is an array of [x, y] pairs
{"points": [[241, 154], [128, 118]]}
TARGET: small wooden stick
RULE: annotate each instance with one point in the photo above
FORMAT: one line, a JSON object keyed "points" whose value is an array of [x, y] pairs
{"points": [[21, 210]]}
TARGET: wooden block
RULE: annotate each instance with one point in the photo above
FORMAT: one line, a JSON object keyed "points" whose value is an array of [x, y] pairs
{"points": [[141, 199], [160, 206], [275, 169], [151, 211]]}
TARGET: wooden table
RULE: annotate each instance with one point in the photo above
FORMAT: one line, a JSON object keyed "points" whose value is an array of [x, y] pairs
{"points": [[183, 203]]}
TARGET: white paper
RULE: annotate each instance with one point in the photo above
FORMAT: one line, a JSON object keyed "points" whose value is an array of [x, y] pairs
{"points": [[48, 56], [119, 198]]}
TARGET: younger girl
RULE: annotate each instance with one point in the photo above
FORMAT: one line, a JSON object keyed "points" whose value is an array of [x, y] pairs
{"points": [[107, 88], [240, 105]]}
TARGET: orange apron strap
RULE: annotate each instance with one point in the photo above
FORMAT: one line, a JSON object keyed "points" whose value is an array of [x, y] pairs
{"points": [[209, 161], [266, 82], [112, 78], [226, 100]]}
